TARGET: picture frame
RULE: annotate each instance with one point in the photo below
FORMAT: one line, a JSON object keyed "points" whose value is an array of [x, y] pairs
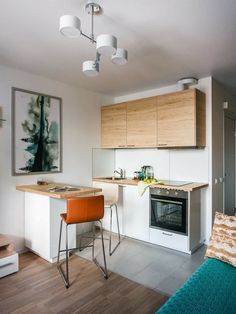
{"points": [[36, 133]]}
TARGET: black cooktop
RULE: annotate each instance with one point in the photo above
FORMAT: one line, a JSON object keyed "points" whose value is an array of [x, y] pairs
{"points": [[175, 183]]}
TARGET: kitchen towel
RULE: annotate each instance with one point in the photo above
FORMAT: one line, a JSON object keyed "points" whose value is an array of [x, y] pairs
{"points": [[142, 187]]}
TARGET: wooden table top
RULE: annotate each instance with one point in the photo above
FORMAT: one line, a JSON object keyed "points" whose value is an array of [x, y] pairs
{"points": [[48, 190]]}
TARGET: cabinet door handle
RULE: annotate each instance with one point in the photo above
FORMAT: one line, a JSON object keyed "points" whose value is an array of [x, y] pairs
{"points": [[168, 234], [130, 145], [162, 144], [121, 145], [5, 265]]}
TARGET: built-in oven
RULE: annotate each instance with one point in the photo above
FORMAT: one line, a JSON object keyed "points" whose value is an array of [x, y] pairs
{"points": [[169, 210]]}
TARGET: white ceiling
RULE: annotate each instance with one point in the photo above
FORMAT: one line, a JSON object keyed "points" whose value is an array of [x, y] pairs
{"points": [[166, 40]]}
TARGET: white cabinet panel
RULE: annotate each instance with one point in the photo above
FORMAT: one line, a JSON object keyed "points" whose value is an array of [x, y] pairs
{"points": [[42, 223], [58, 206], [135, 213], [169, 239], [37, 223]]}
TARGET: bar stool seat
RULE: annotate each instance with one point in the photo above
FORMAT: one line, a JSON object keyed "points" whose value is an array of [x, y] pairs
{"points": [[111, 196], [108, 203], [80, 210]]}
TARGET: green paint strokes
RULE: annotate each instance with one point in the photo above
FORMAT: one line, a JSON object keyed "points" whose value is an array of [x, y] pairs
{"points": [[42, 137]]}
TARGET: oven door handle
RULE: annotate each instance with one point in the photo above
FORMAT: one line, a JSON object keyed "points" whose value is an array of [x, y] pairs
{"points": [[168, 234], [166, 201]]}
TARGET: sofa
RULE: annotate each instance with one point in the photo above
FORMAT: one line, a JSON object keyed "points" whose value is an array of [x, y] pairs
{"points": [[211, 289]]}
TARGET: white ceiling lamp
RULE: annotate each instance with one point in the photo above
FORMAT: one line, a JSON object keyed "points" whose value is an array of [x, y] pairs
{"points": [[186, 82], [70, 26], [120, 57], [91, 68], [106, 45]]}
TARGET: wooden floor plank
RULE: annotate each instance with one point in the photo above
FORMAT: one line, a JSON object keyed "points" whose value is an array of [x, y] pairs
{"points": [[38, 288]]}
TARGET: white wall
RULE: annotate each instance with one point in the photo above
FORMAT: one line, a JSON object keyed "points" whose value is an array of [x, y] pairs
{"points": [[176, 164], [81, 132]]}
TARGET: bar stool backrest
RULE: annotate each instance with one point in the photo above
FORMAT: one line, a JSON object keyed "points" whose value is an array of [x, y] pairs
{"points": [[109, 190], [85, 209]]}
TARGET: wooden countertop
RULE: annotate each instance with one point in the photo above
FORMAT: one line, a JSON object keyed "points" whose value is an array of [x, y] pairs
{"points": [[187, 187], [44, 190], [127, 181]]}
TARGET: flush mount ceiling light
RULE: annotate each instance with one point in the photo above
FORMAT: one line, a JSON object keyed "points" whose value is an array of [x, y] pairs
{"points": [[106, 45]]}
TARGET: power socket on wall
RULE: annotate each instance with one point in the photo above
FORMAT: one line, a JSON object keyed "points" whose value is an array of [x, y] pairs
{"points": [[219, 180]]}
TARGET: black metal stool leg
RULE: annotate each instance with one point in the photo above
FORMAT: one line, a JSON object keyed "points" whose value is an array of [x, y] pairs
{"points": [[64, 277], [110, 230], [104, 255], [59, 244], [67, 257], [93, 242], [103, 269]]}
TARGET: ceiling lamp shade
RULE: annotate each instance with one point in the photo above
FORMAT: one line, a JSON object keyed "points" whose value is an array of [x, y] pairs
{"points": [[106, 45], [70, 26], [120, 57], [90, 68]]}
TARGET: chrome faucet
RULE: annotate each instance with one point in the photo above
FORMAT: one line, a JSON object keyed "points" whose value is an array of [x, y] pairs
{"points": [[121, 172]]}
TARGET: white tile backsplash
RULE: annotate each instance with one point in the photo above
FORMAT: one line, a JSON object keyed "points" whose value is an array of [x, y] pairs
{"points": [[133, 159], [189, 165], [181, 164]]}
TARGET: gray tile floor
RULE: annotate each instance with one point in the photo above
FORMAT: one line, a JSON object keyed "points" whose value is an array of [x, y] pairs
{"points": [[153, 266]]}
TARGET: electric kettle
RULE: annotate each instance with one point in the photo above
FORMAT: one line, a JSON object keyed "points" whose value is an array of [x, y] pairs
{"points": [[148, 172]]}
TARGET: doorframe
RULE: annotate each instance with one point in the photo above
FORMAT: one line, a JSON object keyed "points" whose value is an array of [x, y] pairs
{"points": [[230, 115]]}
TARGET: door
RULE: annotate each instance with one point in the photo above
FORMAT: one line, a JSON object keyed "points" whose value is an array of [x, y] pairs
{"points": [[229, 157]]}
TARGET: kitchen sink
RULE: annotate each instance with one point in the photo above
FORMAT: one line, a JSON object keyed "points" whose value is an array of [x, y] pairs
{"points": [[113, 178]]}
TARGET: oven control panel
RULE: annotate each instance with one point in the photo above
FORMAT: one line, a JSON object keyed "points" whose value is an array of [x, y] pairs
{"points": [[170, 193]]}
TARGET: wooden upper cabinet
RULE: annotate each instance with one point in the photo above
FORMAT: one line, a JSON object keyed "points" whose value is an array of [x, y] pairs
{"points": [[141, 123], [181, 119], [113, 129], [171, 120]]}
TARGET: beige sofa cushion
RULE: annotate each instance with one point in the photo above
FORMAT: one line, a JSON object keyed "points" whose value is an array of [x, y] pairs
{"points": [[222, 243]]}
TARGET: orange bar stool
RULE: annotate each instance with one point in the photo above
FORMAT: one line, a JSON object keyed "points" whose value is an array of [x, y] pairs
{"points": [[80, 210]]}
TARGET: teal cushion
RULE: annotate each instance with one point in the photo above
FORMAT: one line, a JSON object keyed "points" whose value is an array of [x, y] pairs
{"points": [[210, 289]]}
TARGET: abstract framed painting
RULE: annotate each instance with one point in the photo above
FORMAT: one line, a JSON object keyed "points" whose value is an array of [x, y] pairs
{"points": [[36, 133]]}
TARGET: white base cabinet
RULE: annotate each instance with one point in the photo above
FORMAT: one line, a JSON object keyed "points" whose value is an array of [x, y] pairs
{"points": [[134, 218], [169, 239], [185, 243], [42, 225], [135, 213]]}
